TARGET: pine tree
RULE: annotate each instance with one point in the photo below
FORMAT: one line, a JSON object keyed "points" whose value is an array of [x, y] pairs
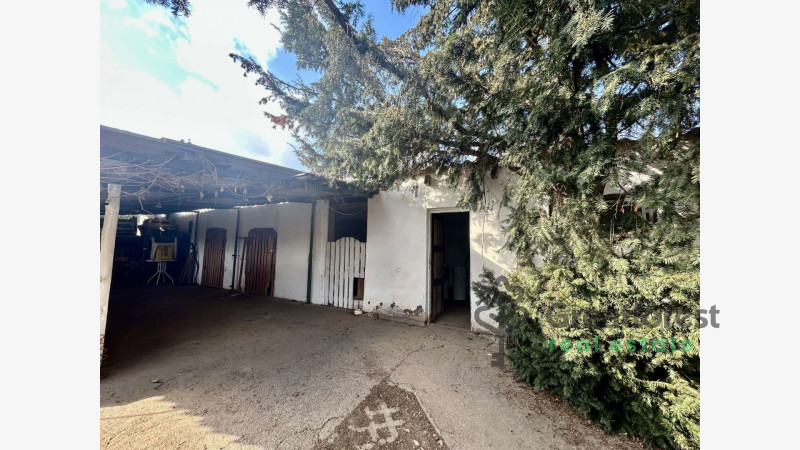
{"points": [[594, 107]]}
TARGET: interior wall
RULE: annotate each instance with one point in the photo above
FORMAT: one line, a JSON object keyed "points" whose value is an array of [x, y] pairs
{"points": [[456, 247], [181, 221], [398, 250]]}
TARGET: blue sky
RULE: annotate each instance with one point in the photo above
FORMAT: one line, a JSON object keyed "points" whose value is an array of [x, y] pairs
{"points": [[167, 77]]}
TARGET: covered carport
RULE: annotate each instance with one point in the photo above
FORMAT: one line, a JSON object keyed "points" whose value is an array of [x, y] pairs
{"points": [[173, 212]]}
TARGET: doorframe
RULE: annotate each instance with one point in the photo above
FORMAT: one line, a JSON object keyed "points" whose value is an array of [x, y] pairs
{"points": [[429, 259]]}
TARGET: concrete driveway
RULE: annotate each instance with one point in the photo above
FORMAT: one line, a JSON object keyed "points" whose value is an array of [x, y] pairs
{"points": [[193, 367]]}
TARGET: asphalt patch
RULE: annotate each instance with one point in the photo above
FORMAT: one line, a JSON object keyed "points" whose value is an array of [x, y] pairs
{"points": [[388, 418]]}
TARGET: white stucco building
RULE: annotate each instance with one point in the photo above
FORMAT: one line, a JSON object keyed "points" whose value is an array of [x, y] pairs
{"points": [[398, 266], [407, 254]]}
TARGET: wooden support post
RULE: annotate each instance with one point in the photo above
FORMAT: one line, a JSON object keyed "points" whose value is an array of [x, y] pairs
{"points": [[310, 254], [107, 240]]}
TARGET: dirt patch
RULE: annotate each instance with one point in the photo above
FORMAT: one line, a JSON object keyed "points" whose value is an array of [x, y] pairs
{"points": [[573, 428], [388, 418]]}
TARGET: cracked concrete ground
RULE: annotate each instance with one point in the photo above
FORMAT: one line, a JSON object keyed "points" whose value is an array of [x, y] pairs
{"points": [[192, 367]]}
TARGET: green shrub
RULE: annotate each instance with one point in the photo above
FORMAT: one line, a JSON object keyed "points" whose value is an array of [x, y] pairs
{"points": [[654, 396]]}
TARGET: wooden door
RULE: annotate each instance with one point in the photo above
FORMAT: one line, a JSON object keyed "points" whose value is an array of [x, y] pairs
{"points": [[437, 268], [214, 257], [259, 265]]}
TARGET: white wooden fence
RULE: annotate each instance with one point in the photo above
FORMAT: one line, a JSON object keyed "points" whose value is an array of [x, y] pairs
{"points": [[344, 261]]}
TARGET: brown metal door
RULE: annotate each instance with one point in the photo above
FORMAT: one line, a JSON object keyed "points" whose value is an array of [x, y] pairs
{"points": [[214, 257], [437, 268], [259, 263]]}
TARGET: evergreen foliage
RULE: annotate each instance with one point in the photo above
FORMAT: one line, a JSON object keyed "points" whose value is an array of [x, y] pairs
{"points": [[177, 7], [594, 107]]}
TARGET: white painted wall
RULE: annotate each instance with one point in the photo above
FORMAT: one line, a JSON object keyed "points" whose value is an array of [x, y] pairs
{"points": [[398, 246], [292, 222], [218, 218], [320, 239]]}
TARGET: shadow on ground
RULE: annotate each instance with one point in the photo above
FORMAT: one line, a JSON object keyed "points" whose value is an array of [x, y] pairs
{"points": [[193, 367]]}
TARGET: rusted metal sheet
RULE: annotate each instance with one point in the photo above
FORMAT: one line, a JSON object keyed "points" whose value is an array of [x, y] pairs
{"points": [[214, 257]]}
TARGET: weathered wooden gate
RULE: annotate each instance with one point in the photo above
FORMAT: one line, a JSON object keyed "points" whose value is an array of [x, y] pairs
{"points": [[259, 264], [214, 257], [344, 273]]}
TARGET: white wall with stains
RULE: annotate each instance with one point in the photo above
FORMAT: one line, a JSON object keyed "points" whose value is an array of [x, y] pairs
{"points": [[321, 213], [291, 221], [218, 218], [398, 262], [398, 247]]}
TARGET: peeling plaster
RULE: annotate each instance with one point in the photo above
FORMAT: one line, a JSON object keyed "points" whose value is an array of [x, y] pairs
{"points": [[417, 312], [398, 245]]}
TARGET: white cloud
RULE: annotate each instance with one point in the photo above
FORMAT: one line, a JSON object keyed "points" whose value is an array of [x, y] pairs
{"points": [[151, 22], [226, 116]]}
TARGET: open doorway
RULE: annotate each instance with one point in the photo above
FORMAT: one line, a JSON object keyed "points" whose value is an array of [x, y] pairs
{"points": [[450, 269]]}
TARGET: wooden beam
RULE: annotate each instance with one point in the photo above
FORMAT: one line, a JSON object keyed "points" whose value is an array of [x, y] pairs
{"points": [[107, 240]]}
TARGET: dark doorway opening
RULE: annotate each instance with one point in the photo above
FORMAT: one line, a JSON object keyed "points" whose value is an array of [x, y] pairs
{"points": [[450, 269], [348, 219]]}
